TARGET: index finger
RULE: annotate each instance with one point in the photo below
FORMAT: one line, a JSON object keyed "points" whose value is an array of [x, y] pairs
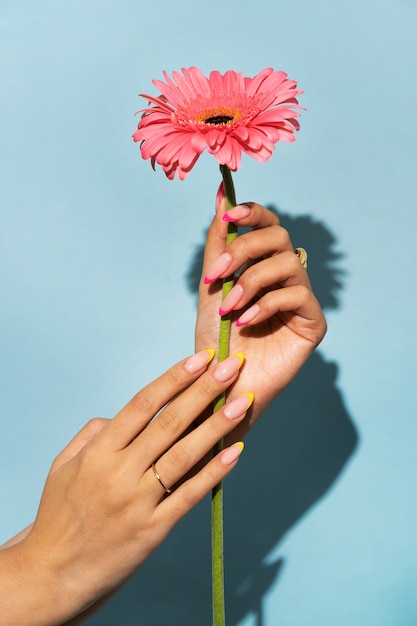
{"points": [[257, 218], [144, 405]]}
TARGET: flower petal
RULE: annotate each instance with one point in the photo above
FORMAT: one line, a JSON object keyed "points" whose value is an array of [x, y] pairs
{"points": [[225, 114]]}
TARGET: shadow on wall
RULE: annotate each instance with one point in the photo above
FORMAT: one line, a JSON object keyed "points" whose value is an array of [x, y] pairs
{"points": [[295, 454]]}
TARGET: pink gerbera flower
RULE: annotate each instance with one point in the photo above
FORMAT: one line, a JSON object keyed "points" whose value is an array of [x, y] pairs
{"points": [[224, 114]]}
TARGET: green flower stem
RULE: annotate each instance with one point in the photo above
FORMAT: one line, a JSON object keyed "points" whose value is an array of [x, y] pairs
{"points": [[217, 494]]}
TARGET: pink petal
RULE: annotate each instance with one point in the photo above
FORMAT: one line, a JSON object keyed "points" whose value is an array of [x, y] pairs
{"points": [[254, 83], [198, 80], [170, 136], [216, 82], [215, 138], [198, 142], [241, 132]]}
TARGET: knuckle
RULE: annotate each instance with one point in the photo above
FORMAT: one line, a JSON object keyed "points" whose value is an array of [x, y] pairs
{"points": [[215, 425], [142, 403], [239, 248], [178, 376], [274, 217], [303, 293], [268, 307], [284, 234], [179, 458], [206, 388], [294, 261], [212, 473], [281, 236], [190, 496], [95, 424], [168, 422]]}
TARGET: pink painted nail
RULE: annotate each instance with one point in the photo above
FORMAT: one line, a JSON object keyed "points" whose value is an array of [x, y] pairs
{"points": [[237, 213], [231, 454], [238, 407], [218, 268], [231, 299], [198, 361], [228, 368], [248, 315], [220, 196]]}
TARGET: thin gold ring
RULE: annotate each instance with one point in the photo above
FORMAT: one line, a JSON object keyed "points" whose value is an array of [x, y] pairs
{"points": [[159, 479], [302, 255]]}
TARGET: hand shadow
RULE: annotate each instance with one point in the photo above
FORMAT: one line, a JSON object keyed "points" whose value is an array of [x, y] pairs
{"points": [[294, 455]]}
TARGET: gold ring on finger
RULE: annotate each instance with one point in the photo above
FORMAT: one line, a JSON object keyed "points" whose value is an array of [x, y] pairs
{"points": [[159, 479], [302, 255]]}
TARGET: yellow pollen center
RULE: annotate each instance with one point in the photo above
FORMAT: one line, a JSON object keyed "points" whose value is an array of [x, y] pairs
{"points": [[218, 116]]}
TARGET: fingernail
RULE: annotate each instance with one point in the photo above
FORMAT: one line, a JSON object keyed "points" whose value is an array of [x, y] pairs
{"points": [[227, 368], [231, 299], [231, 454], [248, 315], [238, 407], [196, 362], [220, 196], [237, 213], [217, 268]]}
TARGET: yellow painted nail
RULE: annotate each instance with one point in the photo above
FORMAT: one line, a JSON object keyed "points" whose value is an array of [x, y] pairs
{"points": [[250, 396], [240, 356], [196, 362]]}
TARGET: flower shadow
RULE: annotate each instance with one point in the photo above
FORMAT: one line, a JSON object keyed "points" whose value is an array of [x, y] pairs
{"points": [[296, 453]]}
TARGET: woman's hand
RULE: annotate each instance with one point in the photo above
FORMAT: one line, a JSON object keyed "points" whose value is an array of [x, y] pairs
{"points": [[276, 319], [105, 505]]}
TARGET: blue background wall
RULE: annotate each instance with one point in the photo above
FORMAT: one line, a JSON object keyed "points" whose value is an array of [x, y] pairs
{"points": [[321, 513]]}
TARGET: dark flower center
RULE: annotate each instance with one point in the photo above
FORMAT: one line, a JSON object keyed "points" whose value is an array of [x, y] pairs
{"points": [[217, 116], [217, 120]]}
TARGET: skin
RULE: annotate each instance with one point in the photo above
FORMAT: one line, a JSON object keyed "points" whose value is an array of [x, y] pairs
{"points": [[290, 323], [103, 511]]}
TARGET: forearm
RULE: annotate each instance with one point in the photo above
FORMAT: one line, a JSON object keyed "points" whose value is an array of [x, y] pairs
{"points": [[32, 591], [85, 615], [25, 592]]}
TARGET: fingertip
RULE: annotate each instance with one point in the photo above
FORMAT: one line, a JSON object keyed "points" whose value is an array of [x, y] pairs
{"points": [[248, 316], [239, 212], [199, 361], [220, 199], [230, 455]]}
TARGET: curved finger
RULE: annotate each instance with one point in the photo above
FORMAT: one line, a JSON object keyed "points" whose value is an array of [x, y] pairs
{"points": [[247, 249], [140, 410], [274, 272], [190, 450], [296, 305], [179, 414], [251, 214], [192, 491]]}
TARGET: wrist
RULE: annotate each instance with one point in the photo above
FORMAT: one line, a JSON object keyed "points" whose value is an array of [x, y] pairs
{"points": [[32, 588]]}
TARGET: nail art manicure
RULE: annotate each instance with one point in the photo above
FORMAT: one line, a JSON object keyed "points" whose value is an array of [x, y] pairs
{"points": [[196, 362], [238, 407], [231, 299], [220, 196], [231, 454], [227, 368], [248, 315], [237, 213], [218, 268]]}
